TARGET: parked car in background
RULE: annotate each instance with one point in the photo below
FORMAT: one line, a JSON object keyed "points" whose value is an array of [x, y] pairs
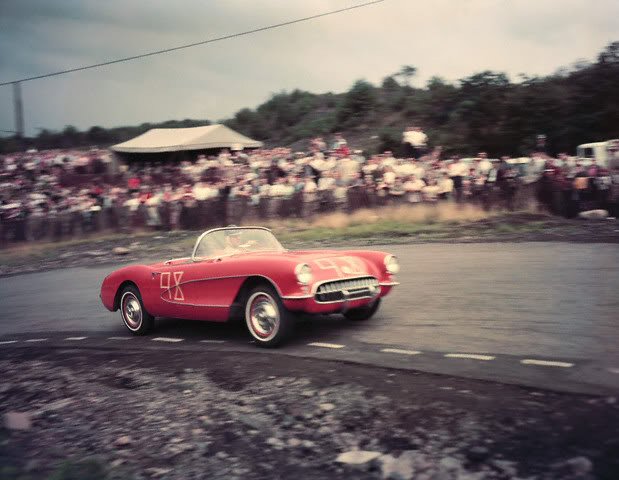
{"points": [[604, 153]]}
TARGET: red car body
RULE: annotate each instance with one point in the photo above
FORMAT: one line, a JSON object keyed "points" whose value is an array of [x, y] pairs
{"points": [[213, 288]]}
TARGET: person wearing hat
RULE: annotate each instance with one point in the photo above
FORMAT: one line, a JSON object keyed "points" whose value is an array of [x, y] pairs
{"points": [[233, 241]]}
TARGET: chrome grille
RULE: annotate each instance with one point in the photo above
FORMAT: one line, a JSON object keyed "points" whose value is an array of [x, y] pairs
{"points": [[340, 290]]}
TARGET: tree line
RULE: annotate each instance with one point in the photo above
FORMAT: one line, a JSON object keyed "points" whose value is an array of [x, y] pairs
{"points": [[485, 111]]}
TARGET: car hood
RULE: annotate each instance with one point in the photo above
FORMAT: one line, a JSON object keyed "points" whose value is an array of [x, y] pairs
{"points": [[325, 264]]}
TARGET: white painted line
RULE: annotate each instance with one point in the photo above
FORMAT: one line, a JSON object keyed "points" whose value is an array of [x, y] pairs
{"points": [[400, 351], [168, 339], [32, 340], [473, 356], [6, 342], [614, 370], [546, 363], [119, 338], [75, 339], [212, 341], [326, 345]]}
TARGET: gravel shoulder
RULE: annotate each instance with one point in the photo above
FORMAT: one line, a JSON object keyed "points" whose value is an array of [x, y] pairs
{"points": [[100, 414], [145, 247]]}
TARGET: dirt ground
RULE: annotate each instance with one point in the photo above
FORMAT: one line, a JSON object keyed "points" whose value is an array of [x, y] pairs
{"points": [[95, 414]]}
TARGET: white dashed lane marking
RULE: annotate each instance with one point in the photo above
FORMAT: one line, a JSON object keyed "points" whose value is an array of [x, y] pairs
{"points": [[614, 370], [326, 345], [546, 363], [472, 356], [400, 351]]}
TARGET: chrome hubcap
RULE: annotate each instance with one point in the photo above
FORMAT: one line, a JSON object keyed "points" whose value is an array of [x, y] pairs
{"points": [[132, 311], [263, 316]]}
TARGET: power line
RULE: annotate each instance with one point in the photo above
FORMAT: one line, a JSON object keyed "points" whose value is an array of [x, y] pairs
{"points": [[204, 42]]}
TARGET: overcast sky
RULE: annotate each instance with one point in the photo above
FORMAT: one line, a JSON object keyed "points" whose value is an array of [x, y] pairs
{"points": [[447, 38]]}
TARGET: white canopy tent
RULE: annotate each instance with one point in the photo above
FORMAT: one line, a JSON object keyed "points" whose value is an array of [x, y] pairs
{"points": [[180, 139]]}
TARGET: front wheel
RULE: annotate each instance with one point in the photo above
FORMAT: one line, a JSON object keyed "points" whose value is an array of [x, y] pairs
{"points": [[267, 319], [133, 313], [363, 313]]}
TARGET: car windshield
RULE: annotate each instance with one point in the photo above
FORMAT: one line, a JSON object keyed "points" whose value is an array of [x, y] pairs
{"points": [[232, 240]]}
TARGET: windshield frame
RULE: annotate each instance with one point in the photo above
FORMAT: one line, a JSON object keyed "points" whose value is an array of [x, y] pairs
{"points": [[195, 258]]}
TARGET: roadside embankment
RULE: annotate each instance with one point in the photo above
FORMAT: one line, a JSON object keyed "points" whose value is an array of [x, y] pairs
{"points": [[448, 223]]}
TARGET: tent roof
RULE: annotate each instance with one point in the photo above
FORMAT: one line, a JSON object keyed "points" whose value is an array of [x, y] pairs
{"points": [[195, 138]]}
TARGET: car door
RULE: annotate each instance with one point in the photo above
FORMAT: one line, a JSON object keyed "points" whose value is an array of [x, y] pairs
{"points": [[201, 290]]}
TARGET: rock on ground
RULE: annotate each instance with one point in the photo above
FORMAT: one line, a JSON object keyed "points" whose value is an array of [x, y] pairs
{"points": [[594, 214], [357, 457], [17, 421]]}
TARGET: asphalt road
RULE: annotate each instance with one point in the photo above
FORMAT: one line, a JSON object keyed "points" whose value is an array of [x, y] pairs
{"points": [[509, 303]]}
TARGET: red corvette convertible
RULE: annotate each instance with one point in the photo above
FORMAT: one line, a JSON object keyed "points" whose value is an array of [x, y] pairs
{"points": [[245, 271]]}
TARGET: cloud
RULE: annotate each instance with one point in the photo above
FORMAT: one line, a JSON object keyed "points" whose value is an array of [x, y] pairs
{"points": [[440, 37]]}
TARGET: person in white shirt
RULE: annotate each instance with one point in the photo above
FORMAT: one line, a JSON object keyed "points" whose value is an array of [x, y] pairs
{"points": [[418, 169], [457, 172], [388, 159], [431, 190], [347, 169], [371, 166], [310, 186], [413, 187], [281, 188], [152, 210], [415, 141], [326, 182], [445, 186], [133, 203], [320, 164], [203, 191], [389, 176], [264, 187], [483, 164], [407, 140]]}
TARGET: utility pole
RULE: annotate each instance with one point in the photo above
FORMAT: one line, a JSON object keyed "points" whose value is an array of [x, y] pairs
{"points": [[19, 110]]}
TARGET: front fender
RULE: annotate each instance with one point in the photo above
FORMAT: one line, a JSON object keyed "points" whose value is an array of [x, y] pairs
{"points": [[375, 260], [136, 274]]}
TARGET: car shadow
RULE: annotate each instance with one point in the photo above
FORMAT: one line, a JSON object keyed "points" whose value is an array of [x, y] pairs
{"points": [[307, 329]]}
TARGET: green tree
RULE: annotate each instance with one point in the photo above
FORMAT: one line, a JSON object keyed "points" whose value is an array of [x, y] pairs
{"points": [[356, 106], [407, 72]]}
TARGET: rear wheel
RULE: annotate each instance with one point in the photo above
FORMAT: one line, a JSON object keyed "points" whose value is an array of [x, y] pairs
{"points": [[363, 313], [132, 311], [267, 319]]}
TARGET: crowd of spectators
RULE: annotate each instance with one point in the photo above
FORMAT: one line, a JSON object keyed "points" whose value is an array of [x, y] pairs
{"points": [[568, 185], [59, 194]]}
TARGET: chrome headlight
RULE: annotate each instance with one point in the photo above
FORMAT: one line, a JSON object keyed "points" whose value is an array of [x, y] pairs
{"points": [[391, 264], [304, 273]]}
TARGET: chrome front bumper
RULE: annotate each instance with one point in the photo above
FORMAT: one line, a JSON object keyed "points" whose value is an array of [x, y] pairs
{"points": [[336, 291]]}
